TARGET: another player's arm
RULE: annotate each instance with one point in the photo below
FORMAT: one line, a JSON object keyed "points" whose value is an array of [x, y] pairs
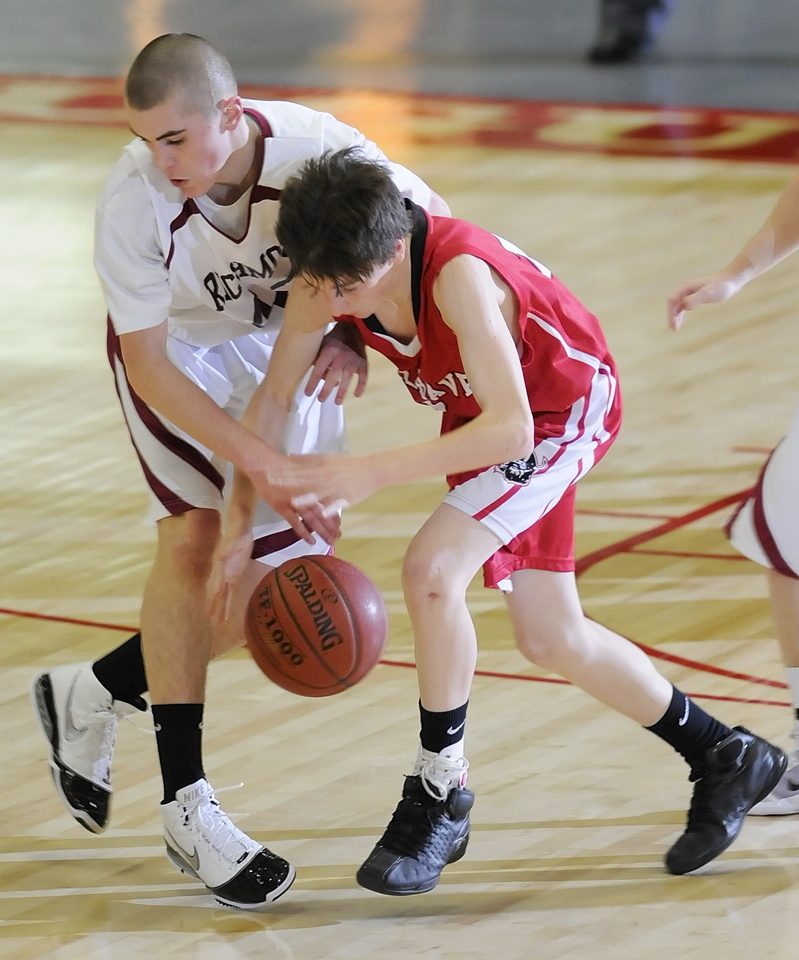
{"points": [[306, 319], [162, 386], [775, 240], [466, 297]]}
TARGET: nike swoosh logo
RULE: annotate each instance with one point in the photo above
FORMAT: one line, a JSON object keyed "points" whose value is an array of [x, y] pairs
{"points": [[192, 859], [72, 732], [684, 719], [453, 730]]}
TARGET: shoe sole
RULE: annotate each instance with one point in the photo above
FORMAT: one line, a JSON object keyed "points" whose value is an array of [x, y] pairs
{"points": [[44, 709], [376, 884], [177, 861]]}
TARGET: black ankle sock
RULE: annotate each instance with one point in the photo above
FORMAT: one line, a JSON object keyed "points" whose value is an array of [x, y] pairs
{"points": [[688, 729], [441, 730], [179, 735], [121, 672]]}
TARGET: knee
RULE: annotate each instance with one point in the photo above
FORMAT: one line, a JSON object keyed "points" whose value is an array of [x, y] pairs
{"points": [[427, 577]]}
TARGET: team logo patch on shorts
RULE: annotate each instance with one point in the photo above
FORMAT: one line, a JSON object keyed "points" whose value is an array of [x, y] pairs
{"points": [[520, 471]]}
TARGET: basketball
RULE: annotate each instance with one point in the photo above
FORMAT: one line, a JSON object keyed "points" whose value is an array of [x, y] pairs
{"points": [[316, 625]]}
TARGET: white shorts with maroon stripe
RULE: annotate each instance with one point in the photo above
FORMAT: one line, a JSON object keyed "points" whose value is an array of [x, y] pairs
{"points": [[182, 474], [529, 504], [765, 527]]}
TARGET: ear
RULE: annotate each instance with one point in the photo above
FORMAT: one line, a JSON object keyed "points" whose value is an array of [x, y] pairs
{"points": [[399, 249], [232, 112]]}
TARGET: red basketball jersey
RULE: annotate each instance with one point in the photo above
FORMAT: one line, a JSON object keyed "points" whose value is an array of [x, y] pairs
{"points": [[562, 343]]}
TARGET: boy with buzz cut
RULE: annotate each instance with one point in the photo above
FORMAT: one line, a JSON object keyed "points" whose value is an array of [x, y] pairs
{"points": [[530, 402], [195, 285]]}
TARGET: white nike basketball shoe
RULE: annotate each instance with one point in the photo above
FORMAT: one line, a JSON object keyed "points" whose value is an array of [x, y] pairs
{"points": [[784, 798], [79, 718], [202, 842]]}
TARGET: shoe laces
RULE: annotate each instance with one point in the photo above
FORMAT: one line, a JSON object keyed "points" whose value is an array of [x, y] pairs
{"points": [[440, 774], [103, 725], [209, 820]]}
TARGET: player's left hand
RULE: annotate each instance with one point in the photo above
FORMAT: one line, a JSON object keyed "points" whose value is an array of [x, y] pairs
{"points": [[230, 560], [328, 483], [341, 359]]}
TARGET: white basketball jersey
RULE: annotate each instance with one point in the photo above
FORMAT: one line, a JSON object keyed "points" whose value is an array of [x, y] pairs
{"points": [[159, 257]]}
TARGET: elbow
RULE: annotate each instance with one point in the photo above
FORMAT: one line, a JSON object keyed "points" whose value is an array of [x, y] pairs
{"points": [[518, 438]]}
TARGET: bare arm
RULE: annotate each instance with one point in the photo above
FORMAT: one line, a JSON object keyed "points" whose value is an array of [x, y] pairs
{"points": [[775, 240], [306, 319], [166, 389], [503, 430], [467, 299]]}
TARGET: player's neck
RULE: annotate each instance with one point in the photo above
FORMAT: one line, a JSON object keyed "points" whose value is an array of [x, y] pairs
{"points": [[396, 312], [241, 169]]}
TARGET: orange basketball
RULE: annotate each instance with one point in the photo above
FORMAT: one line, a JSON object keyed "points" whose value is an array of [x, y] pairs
{"points": [[316, 625]]}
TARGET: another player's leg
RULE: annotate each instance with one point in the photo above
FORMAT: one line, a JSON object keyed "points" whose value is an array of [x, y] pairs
{"points": [[784, 590], [430, 826], [731, 768], [765, 528], [200, 839]]}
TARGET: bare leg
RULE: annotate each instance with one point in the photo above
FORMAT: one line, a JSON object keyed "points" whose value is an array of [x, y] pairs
{"points": [[177, 637], [785, 607], [552, 631], [439, 565], [175, 629]]}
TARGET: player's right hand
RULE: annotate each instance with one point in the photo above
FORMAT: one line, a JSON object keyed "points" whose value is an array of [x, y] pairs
{"points": [[307, 522], [711, 289]]}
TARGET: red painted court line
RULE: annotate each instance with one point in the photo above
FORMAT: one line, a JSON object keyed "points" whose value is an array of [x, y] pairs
{"points": [[558, 680], [54, 619], [622, 513], [690, 555], [625, 546]]}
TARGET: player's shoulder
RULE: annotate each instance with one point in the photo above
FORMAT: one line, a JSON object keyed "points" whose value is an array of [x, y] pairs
{"points": [[286, 118]]}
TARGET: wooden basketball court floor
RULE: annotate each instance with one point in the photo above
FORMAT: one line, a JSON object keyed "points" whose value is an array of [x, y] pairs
{"points": [[575, 806]]}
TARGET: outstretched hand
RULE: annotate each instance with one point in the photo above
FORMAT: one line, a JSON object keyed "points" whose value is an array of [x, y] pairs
{"points": [[328, 484], [307, 520], [711, 289]]}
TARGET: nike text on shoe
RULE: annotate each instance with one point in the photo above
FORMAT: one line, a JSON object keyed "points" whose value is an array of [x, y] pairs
{"points": [[202, 842], [79, 718], [737, 773], [424, 835]]}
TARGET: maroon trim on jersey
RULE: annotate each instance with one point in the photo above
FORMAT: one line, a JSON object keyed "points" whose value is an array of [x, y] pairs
{"points": [[260, 192], [177, 445], [188, 210], [263, 546], [260, 119], [764, 535]]}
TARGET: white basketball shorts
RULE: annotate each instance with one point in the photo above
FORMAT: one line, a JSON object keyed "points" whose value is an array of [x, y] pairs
{"points": [[181, 474], [765, 527]]}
